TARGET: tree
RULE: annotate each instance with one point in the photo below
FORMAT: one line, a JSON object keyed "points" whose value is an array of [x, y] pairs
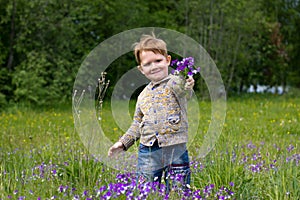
{"points": [[227, 30], [45, 41]]}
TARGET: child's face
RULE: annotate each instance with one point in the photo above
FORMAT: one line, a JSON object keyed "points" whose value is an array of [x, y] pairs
{"points": [[154, 66]]}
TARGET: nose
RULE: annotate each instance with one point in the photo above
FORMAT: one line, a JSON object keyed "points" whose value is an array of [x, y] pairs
{"points": [[153, 66]]}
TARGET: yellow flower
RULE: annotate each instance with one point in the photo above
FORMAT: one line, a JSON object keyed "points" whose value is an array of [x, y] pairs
{"points": [[281, 123]]}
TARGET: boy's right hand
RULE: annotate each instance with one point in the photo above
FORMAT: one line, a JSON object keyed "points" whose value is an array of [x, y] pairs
{"points": [[115, 149]]}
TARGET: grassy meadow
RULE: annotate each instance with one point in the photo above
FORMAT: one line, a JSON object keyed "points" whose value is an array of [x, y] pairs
{"points": [[256, 157]]}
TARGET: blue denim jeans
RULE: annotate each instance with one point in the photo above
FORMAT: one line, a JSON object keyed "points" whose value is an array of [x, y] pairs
{"points": [[171, 161]]}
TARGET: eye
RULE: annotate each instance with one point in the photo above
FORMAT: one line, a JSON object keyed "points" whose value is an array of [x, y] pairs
{"points": [[146, 65], [158, 60]]}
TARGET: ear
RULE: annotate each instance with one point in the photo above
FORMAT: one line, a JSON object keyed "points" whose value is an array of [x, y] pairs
{"points": [[168, 58], [141, 69]]}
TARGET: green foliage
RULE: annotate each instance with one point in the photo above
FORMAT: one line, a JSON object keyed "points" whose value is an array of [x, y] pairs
{"points": [[29, 79], [6, 87], [251, 42], [3, 101]]}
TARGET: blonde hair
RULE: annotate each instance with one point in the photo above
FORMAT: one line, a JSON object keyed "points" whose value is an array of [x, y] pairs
{"points": [[149, 43]]}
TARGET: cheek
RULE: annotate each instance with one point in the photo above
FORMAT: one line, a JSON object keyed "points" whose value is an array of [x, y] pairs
{"points": [[165, 69], [141, 70], [145, 72]]}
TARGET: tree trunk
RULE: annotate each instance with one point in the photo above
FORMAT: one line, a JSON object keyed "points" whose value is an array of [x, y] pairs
{"points": [[12, 37], [220, 35], [232, 69], [210, 28]]}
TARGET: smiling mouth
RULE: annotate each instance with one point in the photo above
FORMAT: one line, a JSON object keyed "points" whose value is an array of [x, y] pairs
{"points": [[155, 72]]}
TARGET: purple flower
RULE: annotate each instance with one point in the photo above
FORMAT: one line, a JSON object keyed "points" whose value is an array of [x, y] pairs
{"points": [[174, 62], [85, 193], [185, 67], [166, 197], [290, 148], [54, 172], [251, 146], [197, 195], [190, 73], [61, 188], [294, 158], [107, 195], [103, 188]]}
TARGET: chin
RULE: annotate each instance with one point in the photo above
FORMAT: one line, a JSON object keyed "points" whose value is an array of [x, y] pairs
{"points": [[157, 77]]}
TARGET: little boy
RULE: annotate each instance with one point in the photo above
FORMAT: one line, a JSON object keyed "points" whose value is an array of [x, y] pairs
{"points": [[160, 119]]}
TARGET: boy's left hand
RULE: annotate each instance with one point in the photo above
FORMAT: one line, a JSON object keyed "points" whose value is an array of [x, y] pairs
{"points": [[189, 84]]}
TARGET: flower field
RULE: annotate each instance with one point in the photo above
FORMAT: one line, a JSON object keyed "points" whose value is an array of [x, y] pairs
{"points": [[256, 157]]}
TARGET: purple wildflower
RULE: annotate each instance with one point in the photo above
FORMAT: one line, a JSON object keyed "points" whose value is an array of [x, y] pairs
{"points": [[294, 158], [85, 193], [197, 195], [54, 172], [166, 197], [107, 195], [103, 188], [174, 62], [251, 146], [290, 148], [185, 67]]}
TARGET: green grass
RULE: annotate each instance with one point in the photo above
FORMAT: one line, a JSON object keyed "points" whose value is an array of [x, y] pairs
{"points": [[257, 155]]}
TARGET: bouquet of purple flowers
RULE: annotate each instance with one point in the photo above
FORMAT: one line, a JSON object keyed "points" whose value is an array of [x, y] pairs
{"points": [[185, 67]]}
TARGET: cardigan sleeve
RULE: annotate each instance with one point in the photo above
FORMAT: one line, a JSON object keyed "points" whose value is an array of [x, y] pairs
{"points": [[133, 133], [177, 83]]}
